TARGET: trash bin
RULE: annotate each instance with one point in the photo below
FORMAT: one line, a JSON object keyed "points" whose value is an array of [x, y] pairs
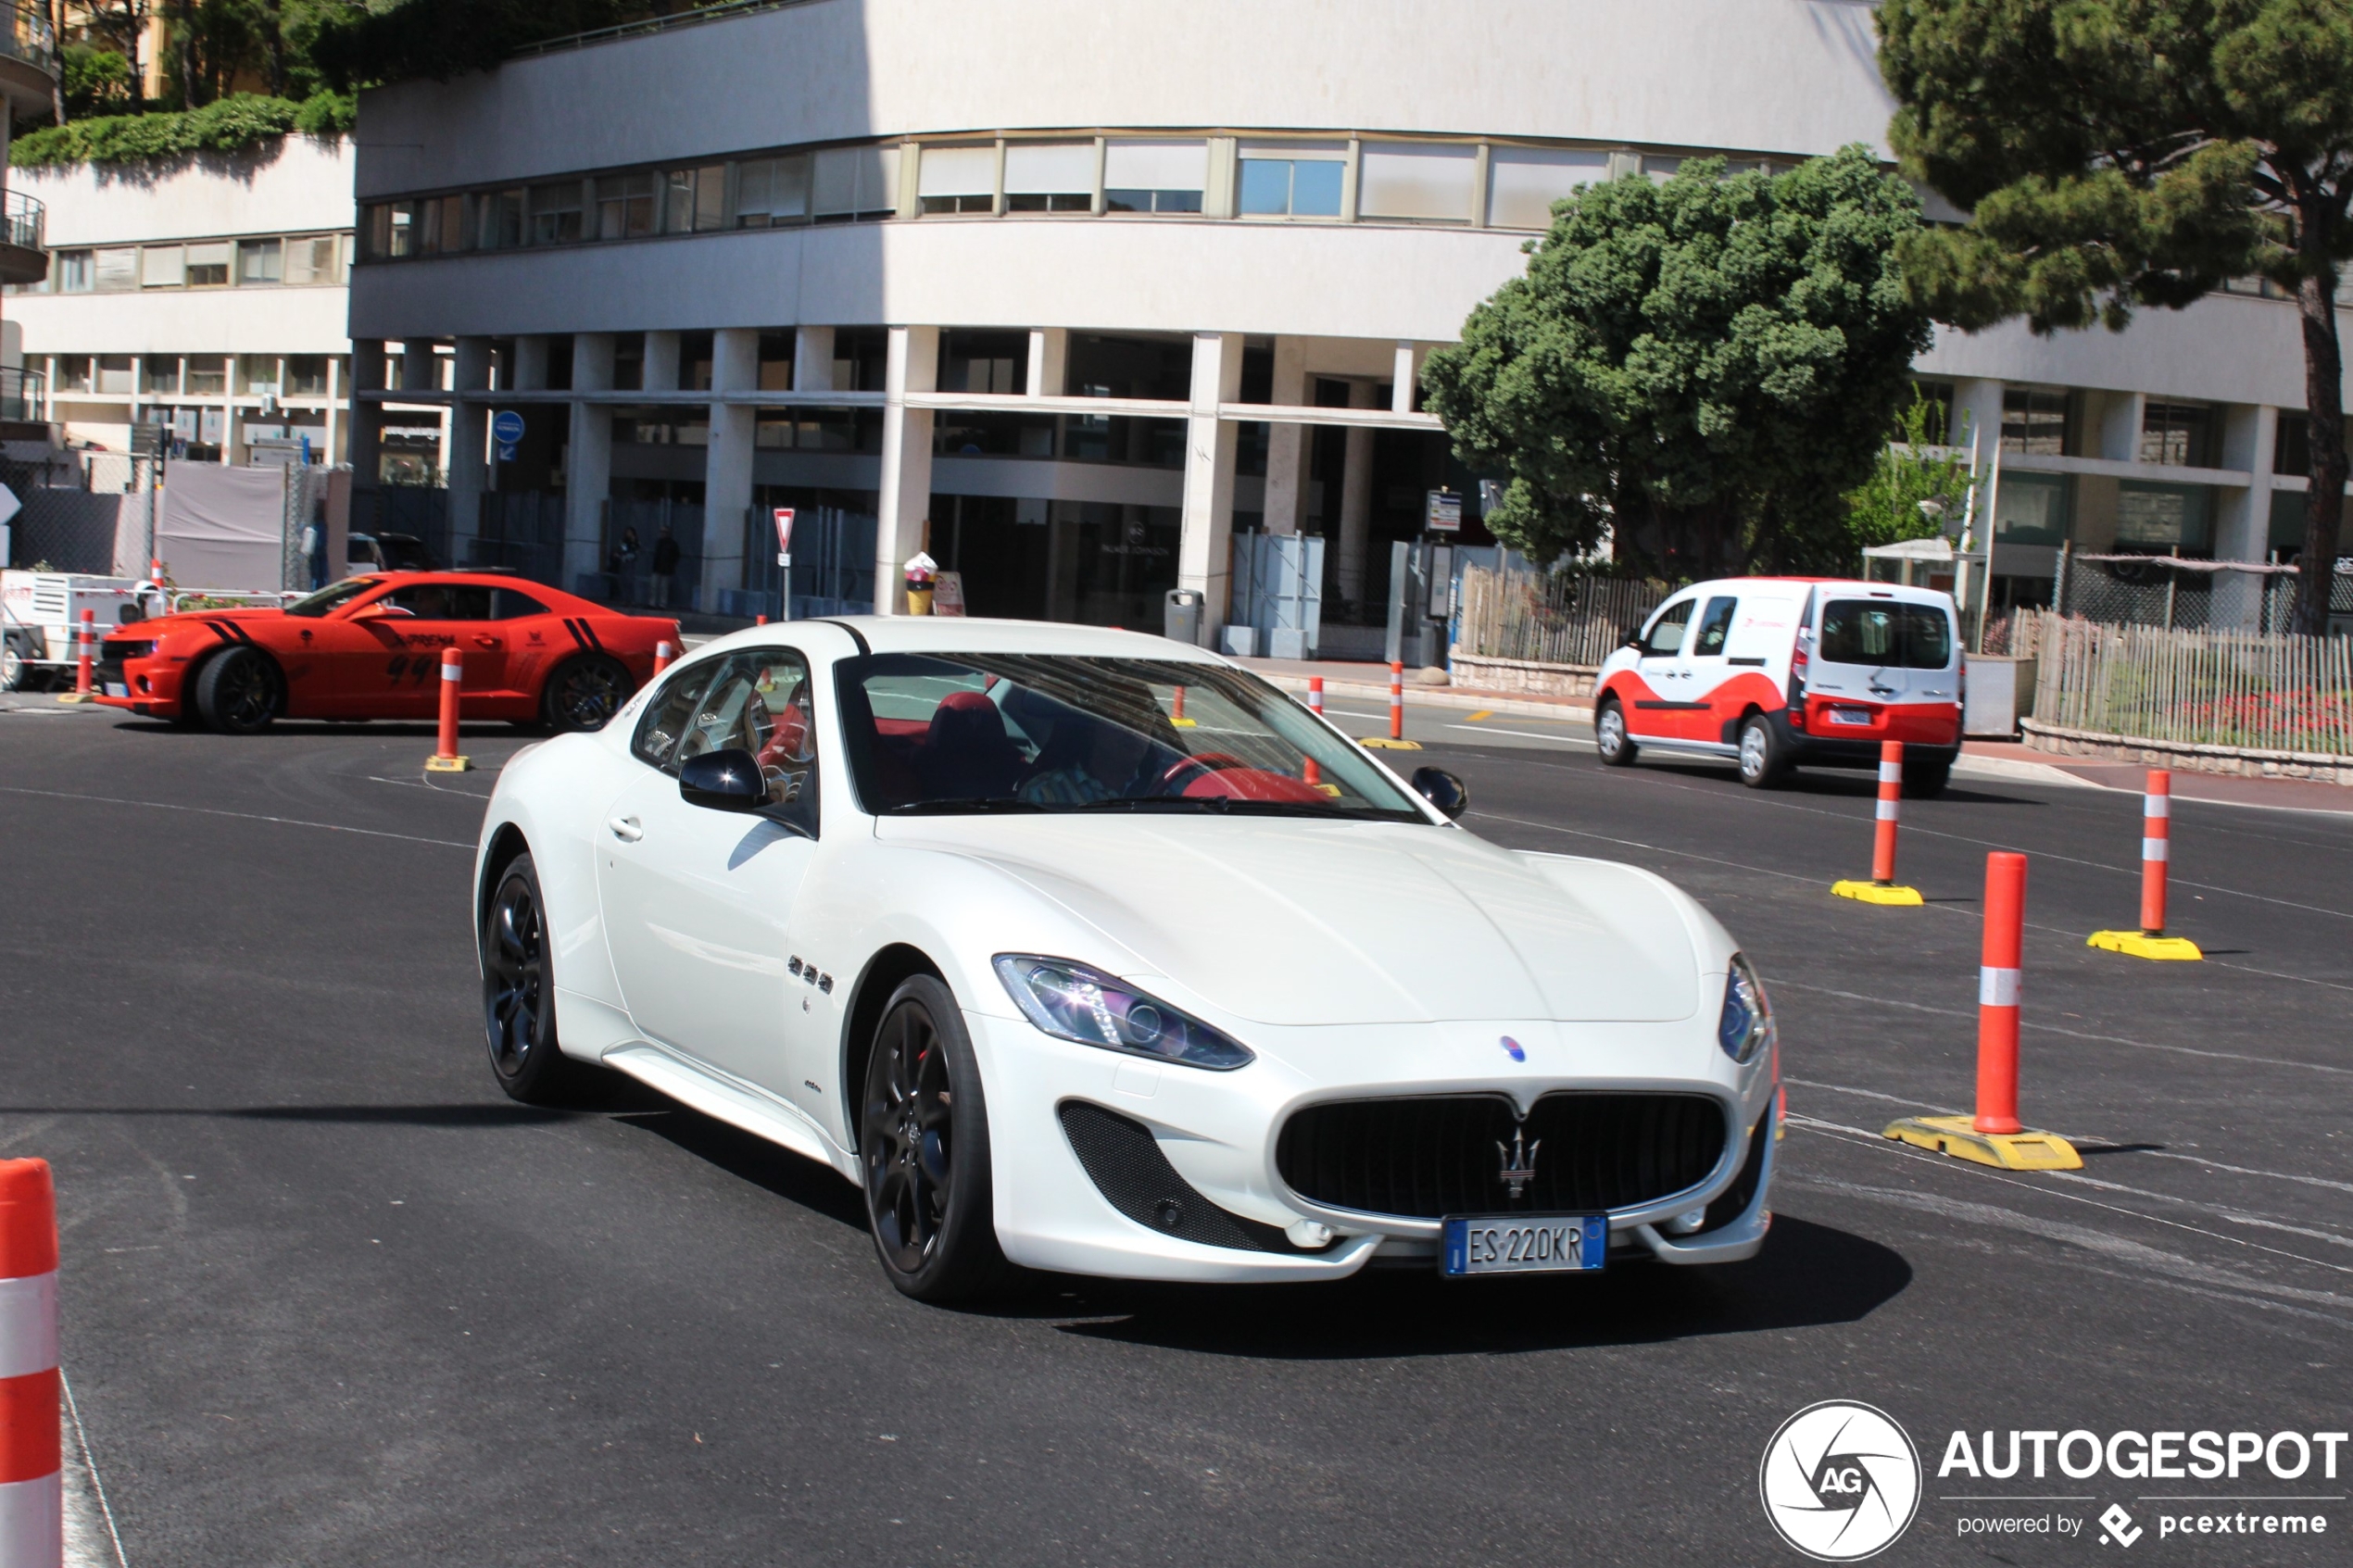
{"points": [[1180, 620]]}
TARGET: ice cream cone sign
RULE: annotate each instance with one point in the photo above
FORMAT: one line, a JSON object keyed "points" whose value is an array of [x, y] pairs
{"points": [[920, 568]]}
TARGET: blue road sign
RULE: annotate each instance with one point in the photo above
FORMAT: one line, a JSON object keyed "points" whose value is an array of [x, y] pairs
{"points": [[506, 427]]}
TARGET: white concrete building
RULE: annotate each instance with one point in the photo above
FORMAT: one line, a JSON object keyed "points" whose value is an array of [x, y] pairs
{"points": [[1072, 292], [28, 75]]}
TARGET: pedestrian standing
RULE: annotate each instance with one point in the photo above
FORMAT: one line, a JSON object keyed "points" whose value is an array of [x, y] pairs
{"points": [[665, 567]]}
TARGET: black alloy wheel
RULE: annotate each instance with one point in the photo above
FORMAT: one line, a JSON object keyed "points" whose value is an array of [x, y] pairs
{"points": [[519, 991], [923, 1149], [240, 692], [584, 693]]}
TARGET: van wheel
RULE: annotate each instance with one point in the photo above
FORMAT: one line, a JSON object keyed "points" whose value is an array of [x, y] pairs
{"points": [[1925, 777], [1762, 764], [1609, 734]]}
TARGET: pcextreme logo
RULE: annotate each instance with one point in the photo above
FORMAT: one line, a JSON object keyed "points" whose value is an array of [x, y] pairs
{"points": [[1840, 1481]]}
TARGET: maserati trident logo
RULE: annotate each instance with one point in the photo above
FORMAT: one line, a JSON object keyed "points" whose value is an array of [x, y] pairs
{"points": [[1519, 1162]]}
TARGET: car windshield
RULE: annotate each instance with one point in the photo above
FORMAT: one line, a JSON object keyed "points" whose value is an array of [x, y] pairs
{"points": [[332, 594], [966, 733]]}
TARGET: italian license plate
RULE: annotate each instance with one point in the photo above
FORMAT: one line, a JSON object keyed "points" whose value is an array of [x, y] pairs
{"points": [[1522, 1244], [1850, 715], [116, 688]]}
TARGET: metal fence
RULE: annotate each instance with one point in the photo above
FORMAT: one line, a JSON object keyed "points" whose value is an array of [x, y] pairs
{"points": [[2251, 689], [832, 562], [1548, 617], [523, 532], [2167, 590], [629, 579]]}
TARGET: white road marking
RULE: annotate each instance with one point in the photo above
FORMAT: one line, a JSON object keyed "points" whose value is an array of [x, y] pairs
{"points": [[1527, 734], [91, 1539], [241, 816]]}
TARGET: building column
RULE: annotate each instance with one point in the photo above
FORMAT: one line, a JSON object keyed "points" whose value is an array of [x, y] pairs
{"points": [[469, 449], [1977, 405], [662, 362], [1287, 445], [2120, 426], [1405, 380], [531, 363], [812, 359], [1205, 552], [726, 484], [1048, 362], [1355, 499], [587, 460], [367, 413], [2242, 518], [905, 498]]}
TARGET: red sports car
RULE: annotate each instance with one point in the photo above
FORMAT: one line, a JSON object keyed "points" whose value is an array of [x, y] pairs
{"points": [[370, 648]]}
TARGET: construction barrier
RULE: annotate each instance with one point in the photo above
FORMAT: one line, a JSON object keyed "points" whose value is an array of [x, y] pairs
{"points": [[32, 1461], [1312, 773], [1994, 1135], [663, 655], [1882, 888], [86, 638], [1395, 740], [445, 758], [2157, 857]]}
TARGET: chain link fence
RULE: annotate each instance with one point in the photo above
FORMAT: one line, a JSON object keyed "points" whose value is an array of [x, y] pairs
{"points": [[2170, 592]]}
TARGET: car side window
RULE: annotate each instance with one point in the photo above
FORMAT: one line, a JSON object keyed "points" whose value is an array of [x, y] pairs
{"points": [[1666, 635], [511, 604], [757, 701], [440, 601], [1714, 625]]}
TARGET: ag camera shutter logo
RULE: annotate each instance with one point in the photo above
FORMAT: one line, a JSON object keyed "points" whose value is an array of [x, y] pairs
{"points": [[1840, 1481]]}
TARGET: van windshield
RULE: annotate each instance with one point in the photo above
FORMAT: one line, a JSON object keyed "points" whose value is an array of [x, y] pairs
{"points": [[1885, 634]]}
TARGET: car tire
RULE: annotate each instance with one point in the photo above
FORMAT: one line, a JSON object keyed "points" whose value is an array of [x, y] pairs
{"points": [[240, 692], [1763, 765], [923, 1149], [15, 668], [584, 693], [1610, 739], [1925, 777], [519, 993]]}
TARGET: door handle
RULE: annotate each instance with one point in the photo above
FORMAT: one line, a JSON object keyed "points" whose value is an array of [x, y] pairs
{"points": [[626, 829], [483, 642]]}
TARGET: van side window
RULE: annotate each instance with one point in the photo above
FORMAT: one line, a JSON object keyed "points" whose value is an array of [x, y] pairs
{"points": [[1665, 635], [1715, 626], [1886, 635]]}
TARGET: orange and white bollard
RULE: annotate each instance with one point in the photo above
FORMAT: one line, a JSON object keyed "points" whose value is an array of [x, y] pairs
{"points": [[663, 655], [85, 653], [759, 620], [1312, 773], [1396, 700], [31, 1452], [1882, 888], [2157, 857], [445, 758], [1994, 1135], [1176, 711]]}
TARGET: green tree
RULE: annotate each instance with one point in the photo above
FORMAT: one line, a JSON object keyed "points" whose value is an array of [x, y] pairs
{"points": [[1917, 466], [356, 44], [2128, 153], [1700, 369]]}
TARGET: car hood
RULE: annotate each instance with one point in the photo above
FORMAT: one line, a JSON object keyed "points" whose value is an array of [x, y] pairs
{"points": [[1282, 920]]}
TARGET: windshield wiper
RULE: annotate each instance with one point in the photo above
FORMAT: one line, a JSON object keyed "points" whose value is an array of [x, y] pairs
{"points": [[974, 805]]}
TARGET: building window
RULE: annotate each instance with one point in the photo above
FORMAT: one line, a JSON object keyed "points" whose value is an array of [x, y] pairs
{"points": [[402, 231], [257, 374], [958, 179], [1937, 426], [2158, 518], [115, 375], [161, 373], [116, 269], [73, 373], [1426, 182], [1154, 176], [1049, 177], [2034, 509], [695, 200], [209, 265], [499, 219], [769, 192], [305, 376], [2177, 434], [442, 226], [1293, 181], [555, 213], [207, 375], [313, 258], [624, 207], [163, 266], [73, 272], [2034, 420], [261, 261], [775, 361], [852, 183], [1524, 182]]}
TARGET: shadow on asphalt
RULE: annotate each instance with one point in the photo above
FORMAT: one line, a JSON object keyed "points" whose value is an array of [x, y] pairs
{"points": [[1838, 783], [748, 1158]]}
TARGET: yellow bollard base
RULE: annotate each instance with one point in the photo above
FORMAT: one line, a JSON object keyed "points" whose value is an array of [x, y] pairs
{"points": [[2141, 945], [1382, 743], [77, 697], [1873, 893], [1185, 724], [440, 764], [2008, 1151]]}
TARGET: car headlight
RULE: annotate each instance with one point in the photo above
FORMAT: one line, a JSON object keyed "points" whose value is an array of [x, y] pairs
{"points": [[1746, 1024], [1073, 1002]]}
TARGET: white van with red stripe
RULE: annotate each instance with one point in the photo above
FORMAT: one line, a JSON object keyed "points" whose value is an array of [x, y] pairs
{"points": [[1779, 672]]}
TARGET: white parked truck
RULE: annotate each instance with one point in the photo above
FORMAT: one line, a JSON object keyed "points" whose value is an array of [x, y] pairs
{"points": [[40, 612]]}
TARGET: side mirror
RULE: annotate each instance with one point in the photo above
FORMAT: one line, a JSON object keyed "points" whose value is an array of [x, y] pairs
{"points": [[1442, 790], [1632, 637], [725, 781]]}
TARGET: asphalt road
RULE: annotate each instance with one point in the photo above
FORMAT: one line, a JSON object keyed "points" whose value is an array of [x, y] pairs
{"points": [[331, 1299]]}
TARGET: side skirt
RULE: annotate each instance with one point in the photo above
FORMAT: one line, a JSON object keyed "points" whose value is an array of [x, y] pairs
{"points": [[730, 1101]]}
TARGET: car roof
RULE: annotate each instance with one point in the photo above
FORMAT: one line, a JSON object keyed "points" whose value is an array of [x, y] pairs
{"points": [[959, 633], [1917, 593], [401, 577]]}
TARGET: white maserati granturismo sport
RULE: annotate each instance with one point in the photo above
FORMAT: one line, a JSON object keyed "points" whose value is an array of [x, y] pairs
{"points": [[1084, 951]]}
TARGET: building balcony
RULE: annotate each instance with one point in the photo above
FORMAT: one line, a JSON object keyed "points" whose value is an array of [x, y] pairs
{"points": [[28, 56], [22, 259]]}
